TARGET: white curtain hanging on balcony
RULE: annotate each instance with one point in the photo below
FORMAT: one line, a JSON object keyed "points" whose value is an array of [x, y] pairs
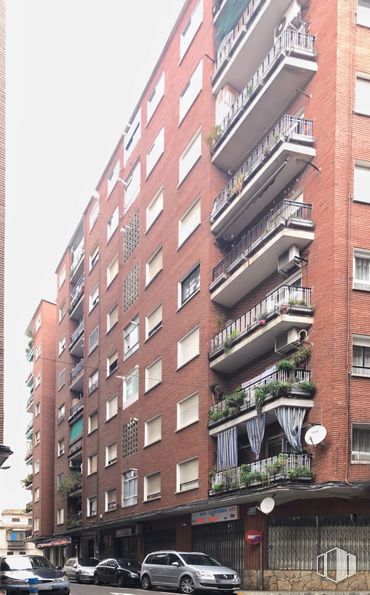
{"points": [[227, 449], [256, 432], [291, 419]]}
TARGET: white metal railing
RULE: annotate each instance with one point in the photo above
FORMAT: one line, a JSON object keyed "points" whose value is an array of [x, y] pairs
{"points": [[77, 333], [77, 369], [77, 291]]}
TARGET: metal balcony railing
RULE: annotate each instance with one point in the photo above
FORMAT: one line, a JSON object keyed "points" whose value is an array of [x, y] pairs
{"points": [[74, 520], [77, 256], [284, 296], [77, 292], [76, 409], [77, 369], [281, 213], [93, 387], [29, 401], [282, 131], [76, 446], [77, 333], [29, 453], [29, 427]]}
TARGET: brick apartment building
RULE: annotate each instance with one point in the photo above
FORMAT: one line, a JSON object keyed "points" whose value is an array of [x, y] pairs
{"points": [[212, 304]]}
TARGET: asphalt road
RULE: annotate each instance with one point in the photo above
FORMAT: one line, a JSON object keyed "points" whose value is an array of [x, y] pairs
{"points": [[107, 590]]}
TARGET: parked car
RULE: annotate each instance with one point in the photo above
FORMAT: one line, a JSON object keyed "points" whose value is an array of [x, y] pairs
{"points": [[187, 571], [117, 571], [16, 570], [80, 569]]}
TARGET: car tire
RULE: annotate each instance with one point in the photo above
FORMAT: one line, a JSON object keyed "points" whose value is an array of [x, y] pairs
{"points": [[78, 578], [96, 580], [145, 583], [187, 585]]}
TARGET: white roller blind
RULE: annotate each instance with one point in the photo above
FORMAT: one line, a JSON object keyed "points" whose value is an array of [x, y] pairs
{"points": [[191, 91], [189, 222], [153, 375], [154, 321], [155, 152], [189, 157], [188, 411], [154, 265], [155, 97], [188, 347], [154, 209], [188, 475], [191, 28], [362, 183], [153, 486], [153, 430]]}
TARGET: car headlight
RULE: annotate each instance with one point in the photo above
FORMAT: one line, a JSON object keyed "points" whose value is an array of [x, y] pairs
{"points": [[133, 575], [206, 575], [61, 579]]}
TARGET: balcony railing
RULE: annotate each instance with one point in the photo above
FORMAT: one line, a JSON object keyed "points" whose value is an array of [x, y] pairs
{"points": [[289, 41], [74, 520], [29, 427], [29, 401], [75, 410], [76, 259], [76, 371], [75, 447], [77, 334], [77, 292], [292, 467], [249, 242], [29, 453], [288, 126], [286, 295]]}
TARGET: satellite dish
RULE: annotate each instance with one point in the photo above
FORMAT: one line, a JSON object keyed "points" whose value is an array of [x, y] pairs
{"points": [[315, 435], [267, 505]]}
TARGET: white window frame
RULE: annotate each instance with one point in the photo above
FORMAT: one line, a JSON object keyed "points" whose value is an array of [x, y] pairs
{"points": [[364, 342], [95, 345], [151, 213], [61, 412], [110, 459], [61, 345], [36, 524], [133, 135], [132, 185], [153, 374], [61, 312], [37, 323], [153, 326], [191, 218], [36, 494], [193, 276], [113, 178], [361, 166], [180, 342], [131, 377], [36, 467], [109, 315], [94, 214], [131, 338], [112, 223], [191, 91], [363, 94], [61, 379], [195, 145], [363, 14], [37, 410], [130, 478], [60, 516], [61, 447], [62, 276], [37, 438], [360, 283], [111, 266], [93, 380], [147, 440], [149, 277], [112, 360], [359, 457], [191, 28], [155, 152], [90, 505], [148, 496], [110, 504], [181, 485], [91, 420], [109, 414], [94, 298], [94, 257], [180, 425], [92, 464], [155, 98]]}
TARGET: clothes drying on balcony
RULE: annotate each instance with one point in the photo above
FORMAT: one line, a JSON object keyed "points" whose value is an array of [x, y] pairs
{"points": [[256, 432], [227, 449], [291, 419]]}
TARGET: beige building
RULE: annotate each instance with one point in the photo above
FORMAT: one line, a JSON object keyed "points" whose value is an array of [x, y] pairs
{"points": [[15, 529]]}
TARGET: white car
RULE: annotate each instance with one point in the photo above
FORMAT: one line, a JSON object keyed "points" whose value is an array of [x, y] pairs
{"points": [[80, 569]]}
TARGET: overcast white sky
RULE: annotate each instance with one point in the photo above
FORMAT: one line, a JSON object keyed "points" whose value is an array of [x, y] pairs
{"points": [[75, 70]]}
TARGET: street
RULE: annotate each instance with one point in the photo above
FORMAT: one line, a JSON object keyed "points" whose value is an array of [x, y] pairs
{"points": [[87, 589]]}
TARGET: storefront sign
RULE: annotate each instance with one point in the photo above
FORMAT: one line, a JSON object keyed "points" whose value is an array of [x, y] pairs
{"points": [[217, 515], [54, 542], [125, 532], [253, 536]]}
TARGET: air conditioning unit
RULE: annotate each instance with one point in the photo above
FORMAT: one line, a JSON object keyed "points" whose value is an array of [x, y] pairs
{"points": [[360, 457], [280, 28], [288, 341], [286, 260]]}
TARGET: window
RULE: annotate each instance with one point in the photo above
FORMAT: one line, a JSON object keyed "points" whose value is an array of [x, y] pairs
{"points": [[76, 430], [61, 448], [92, 422], [94, 339], [93, 258], [62, 312], [92, 464], [112, 271], [93, 381], [112, 363], [133, 135], [361, 355], [155, 152], [187, 411], [61, 413], [62, 276], [61, 379], [36, 467], [363, 96], [37, 408], [38, 380], [112, 180], [187, 475], [361, 276], [191, 28], [189, 285], [94, 214], [188, 348], [191, 91], [92, 506], [129, 487], [152, 486], [361, 191], [38, 352], [60, 516], [94, 298], [61, 345], [36, 524], [154, 266], [190, 156], [110, 500], [36, 494], [153, 375], [111, 407], [110, 454], [155, 98], [363, 12], [154, 209], [130, 437], [360, 443], [153, 322], [37, 438], [37, 324], [153, 430], [189, 222], [131, 338], [112, 318], [112, 224], [131, 387], [132, 186]]}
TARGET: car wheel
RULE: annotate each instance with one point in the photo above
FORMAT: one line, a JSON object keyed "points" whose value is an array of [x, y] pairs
{"points": [[145, 582], [78, 578], [187, 585], [96, 580]]}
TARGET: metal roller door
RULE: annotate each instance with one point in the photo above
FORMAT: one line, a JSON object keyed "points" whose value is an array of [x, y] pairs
{"points": [[223, 541]]}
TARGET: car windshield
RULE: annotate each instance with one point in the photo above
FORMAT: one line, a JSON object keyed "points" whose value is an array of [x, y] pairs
{"points": [[132, 564], [199, 560], [88, 561], [27, 562]]}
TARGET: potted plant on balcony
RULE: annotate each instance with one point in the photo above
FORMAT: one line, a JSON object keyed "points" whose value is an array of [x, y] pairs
{"points": [[279, 388], [228, 342], [300, 472], [285, 365], [307, 387], [213, 136], [260, 395], [71, 483], [301, 357], [215, 415], [247, 476], [237, 186], [234, 401]]}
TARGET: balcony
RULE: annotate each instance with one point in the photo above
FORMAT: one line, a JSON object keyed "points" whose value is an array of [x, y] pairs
{"points": [[76, 411], [254, 333], [29, 429], [77, 375], [74, 520], [76, 306], [29, 379], [280, 157], [77, 265], [287, 67], [266, 472], [27, 481], [255, 256], [29, 454], [77, 341], [75, 448], [29, 403]]}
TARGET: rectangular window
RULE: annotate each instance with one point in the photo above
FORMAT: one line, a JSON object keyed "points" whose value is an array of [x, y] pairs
{"points": [[93, 381], [153, 375], [92, 464], [361, 191], [361, 273], [112, 363], [62, 313], [111, 407], [360, 444], [94, 214], [132, 136], [37, 408], [189, 222], [111, 454], [38, 380], [112, 318], [37, 324], [188, 347], [92, 506], [152, 486], [361, 355], [36, 467], [92, 422], [129, 487], [93, 258], [188, 411], [187, 475], [112, 271], [189, 285], [363, 13], [112, 224], [36, 524], [191, 28], [61, 345], [112, 180], [132, 186], [155, 152], [94, 339], [61, 448], [110, 500], [154, 266], [131, 387], [190, 156], [76, 430], [94, 298], [131, 338], [153, 322], [60, 516], [61, 413], [61, 379], [153, 430], [154, 209], [36, 495], [191, 91], [363, 96], [62, 276], [155, 98], [37, 438]]}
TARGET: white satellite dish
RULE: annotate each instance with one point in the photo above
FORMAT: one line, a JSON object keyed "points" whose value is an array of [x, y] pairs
{"points": [[315, 435], [267, 505]]}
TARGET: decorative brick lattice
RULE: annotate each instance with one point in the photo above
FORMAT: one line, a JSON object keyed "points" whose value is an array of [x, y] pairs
{"points": [[130, 437], [131, 236], [131, 287]]}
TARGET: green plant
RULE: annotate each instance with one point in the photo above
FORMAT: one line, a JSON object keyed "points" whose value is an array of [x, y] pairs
{"points": [[299, 472], [278, 388], [235, 399], [28, 507], [70, 483], [220, 321], [307, 386], [213, 135], [301, 356], [285, 365], [27, 480], [228, 342], [216, 414], [237, 184], [260, 395], [296, 302], [218, 487], [247, 476]]}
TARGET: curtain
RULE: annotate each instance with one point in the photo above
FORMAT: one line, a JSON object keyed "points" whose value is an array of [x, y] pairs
{"points": [[291, 419], [227, 449], [362, 266], [256, 432]]}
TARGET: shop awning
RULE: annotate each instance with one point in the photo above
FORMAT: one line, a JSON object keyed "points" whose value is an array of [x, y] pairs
{"points": [[54, 542]]}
